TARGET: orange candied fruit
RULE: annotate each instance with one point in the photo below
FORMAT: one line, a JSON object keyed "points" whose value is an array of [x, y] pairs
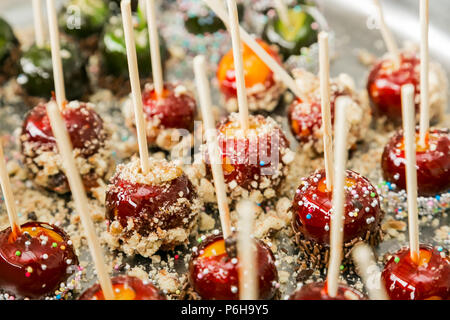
{"points": [[322, 187], [217, 248], [255, 70], [121, 292], [424, 257], [154, 96], [419, 147], [38, 231]]}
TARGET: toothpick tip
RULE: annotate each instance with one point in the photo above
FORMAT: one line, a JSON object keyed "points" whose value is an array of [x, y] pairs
{"points": [[198, 60]]}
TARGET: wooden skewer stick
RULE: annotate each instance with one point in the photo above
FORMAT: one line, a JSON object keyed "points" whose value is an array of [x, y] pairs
{"points": [[283, 12], [337, 233], [38, 23], [135, 85], [58, 74], [8, 195], [154, 48], [271, 63], [79, 195], [369, 271], [387, 36], [248, 279], [238, 64], [424, 75], [409, 133], [324, 64], [204, 94]]}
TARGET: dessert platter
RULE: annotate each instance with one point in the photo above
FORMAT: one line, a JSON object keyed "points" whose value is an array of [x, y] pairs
{"points": [[222, 150]]}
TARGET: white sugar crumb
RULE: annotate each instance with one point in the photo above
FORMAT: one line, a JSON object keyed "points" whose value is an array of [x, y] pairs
{"points": [[139, 273], [160, 171], [206, 222], [259, 97], [168, 281], [358, 113], [282, 207], [283, 276], [267, 224]]}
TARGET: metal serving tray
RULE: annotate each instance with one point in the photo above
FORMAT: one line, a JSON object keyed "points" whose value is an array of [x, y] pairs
{"points": [[353, 25]]}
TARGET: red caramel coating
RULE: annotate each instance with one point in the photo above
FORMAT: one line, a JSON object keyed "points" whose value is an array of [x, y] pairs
{"points": [[256, 71], [318, 291], [304, 124], [384, 85], [427, 280], [221, 277], [312, 203], [125, 288], [86, 131], [244, 158], [433, 163], [149, 205], [173, 110], [84, 125], [25, 271]]}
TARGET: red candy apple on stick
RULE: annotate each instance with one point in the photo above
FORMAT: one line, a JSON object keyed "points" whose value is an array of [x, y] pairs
{"points": [[86, 129], [167, 107], [433, 145], [150, 201], [332, 289], [419, 272], [313, 199], [215, 271], [34, 257]]}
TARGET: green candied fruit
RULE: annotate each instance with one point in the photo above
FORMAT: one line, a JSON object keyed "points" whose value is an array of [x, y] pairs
{"points": [[207, 22], [82, 18], [36, 72], [291, 38], [113, 49], [8, 40]]}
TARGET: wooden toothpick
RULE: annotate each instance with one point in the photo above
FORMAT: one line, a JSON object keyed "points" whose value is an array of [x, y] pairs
{"points": [[271, 63], [154, 48], [58, 74], [409, 134], [8, 195], [135, 85], [238, 64], [387, 36], [337, 224], [204, 94], [39, 34], [283, 12], [424, 75], [368, 270], [324, 64], [248, 274], [79, 196]]}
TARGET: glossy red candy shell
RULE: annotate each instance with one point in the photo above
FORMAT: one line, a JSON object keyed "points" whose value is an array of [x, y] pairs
{"points": [[46, 273], [138, 290], [222, 274]]}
